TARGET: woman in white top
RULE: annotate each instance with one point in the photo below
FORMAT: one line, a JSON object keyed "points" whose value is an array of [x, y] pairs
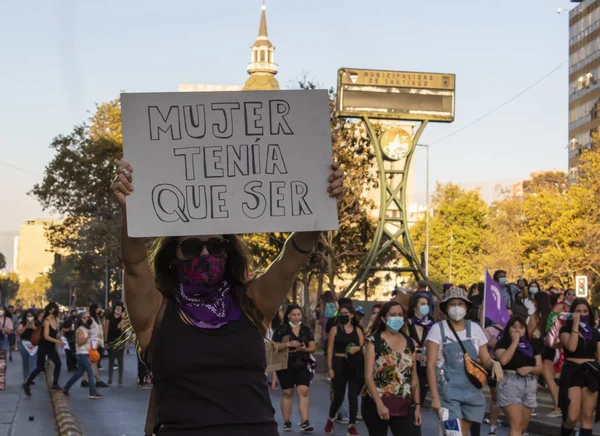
{"points": [[97, 343], [451, 389], [83, 342]]}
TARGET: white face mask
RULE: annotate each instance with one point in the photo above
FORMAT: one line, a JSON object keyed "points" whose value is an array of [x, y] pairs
{"points": [[295, 324], [1, 313], [457, 313], [30, 319]]}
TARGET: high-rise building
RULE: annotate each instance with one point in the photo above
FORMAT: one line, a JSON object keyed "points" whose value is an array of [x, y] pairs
{"points": [[33, 256], [584, 72]]}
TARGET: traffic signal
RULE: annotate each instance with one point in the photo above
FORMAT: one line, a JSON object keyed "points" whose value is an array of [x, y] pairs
{"points": [[581, 287]]}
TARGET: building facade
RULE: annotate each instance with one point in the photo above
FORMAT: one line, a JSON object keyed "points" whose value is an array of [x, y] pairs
{"points": [[584, 73], [33, 255]]}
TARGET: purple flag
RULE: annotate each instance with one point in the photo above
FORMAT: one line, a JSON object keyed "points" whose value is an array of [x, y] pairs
{"points": [[495, 309]]}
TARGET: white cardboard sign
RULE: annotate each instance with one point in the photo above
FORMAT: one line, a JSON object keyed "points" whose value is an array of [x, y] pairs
{"points": [[228, 162]]}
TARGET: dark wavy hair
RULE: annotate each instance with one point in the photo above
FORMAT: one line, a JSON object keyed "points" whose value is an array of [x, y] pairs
{"points": [[93, 309], [578, 302], [543, 305], [288, 310], [354, 321], [379, 324], [516, 319], [163, 253], [412, 306], [49, 307]]}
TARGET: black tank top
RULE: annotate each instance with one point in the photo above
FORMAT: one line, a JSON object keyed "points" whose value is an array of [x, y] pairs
{"points": [[113, 331], [343, 339], [211, 381], [53, 334]]}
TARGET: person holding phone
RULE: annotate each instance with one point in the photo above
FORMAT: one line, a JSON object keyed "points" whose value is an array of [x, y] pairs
{"points": [[299, 339], [27, 350]]}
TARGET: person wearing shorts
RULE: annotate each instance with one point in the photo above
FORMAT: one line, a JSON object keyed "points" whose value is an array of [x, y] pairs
{"points": [[521, 362], [300, 341]]}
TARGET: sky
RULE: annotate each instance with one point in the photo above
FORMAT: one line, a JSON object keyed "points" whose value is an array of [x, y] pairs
{"points": [[61, 57]]}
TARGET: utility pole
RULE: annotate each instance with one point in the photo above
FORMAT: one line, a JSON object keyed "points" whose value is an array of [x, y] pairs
{"points": [[106, 284], [451, 252]]}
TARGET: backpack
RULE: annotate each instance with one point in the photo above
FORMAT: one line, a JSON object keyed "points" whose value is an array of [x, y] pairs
{"points": [[330, 310]]}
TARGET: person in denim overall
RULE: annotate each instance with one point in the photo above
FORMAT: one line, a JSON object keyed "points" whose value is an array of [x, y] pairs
{"points": [[457, 393], [450, 387]]}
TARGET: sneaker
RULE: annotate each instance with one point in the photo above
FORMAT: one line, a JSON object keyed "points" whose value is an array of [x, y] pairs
{"points": [[27, 389], [95, 397], [554, 414], [85, 384], [342, 420], [359, 417], [533, 413], [66, 393], [56, 388], [329, 426], [101, 384], [10, 358], [287, 426], [352, 431], [305, 427], [146, 386]]}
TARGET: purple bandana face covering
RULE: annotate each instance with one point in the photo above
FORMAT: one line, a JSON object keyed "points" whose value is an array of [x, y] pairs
{"points": [[525, 347], [203, 295], [584, 327], [424, 322]]}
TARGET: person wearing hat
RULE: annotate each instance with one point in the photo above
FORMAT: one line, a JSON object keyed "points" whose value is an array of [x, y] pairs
{"points": [[450, 387]]}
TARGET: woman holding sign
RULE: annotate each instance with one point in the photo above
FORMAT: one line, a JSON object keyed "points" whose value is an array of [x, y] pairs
{"points": [[201, 323]]}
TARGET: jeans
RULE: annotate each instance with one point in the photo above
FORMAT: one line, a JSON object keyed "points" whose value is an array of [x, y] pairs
{"points": [[4, 343], [43, 351], [118, 355], [71, 357], [28, 361], [84, 364]]}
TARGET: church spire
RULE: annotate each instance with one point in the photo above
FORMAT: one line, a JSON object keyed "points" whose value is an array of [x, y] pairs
{"points": [[262, 69]]}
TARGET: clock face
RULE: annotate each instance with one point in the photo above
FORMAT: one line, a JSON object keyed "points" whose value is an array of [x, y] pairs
{"points": [[395, 144]]}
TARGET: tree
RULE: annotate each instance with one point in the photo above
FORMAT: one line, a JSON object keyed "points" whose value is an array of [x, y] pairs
{"points": [[34, 294], [76, 185], [9, 285], [458, 229], [2, 261]]}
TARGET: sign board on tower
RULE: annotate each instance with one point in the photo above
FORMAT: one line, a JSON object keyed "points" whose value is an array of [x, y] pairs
{"points": [[581, 287]]}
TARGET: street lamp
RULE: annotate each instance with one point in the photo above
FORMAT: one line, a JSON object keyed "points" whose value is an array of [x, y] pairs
{"points": [[426, 212], [561, 10]]}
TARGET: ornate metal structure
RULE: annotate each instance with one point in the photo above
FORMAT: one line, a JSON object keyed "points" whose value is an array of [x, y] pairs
{"points": [[375, 95]]}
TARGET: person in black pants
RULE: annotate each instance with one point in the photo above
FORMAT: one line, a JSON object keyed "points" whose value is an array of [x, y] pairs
{"points": [[68, 330], [47, 348], [344, 360], [114, 325]]}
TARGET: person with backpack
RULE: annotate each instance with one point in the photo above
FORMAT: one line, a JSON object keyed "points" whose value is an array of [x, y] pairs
{"points": [[329, 308], [299, 340], [417, 327], [28, 351], [457, 360], [391, 397]]}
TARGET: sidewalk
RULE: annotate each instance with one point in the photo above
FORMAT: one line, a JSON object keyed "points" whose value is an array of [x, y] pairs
{"points": [[22, 416]]}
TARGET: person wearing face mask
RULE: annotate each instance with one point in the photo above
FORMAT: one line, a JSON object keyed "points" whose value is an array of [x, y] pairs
{"points": [[521, 361], [529, 301], [511, 294], [299, 339], [201, 319], [68, 330], [82, 351], [418, 325], [114, 325], [391, 397], [6, 329], [47, 348], [580, 377], [97, 343], [344, 351], [567, 300], [450, 387], [27, 350]]}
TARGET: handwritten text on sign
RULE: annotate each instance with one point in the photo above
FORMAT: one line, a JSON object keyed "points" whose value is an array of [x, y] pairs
{"points": [[230, 162]]}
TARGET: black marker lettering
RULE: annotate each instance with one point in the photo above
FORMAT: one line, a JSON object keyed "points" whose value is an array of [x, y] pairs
{"points": [[260, 201], [218, 202], [212, 157], [224, 129], [169, 213], [195, 121], [277, 198], [278, 110], [299, 204], [256, 157], [240, 160], [275, 160], [188, 157], [197, 206], [252, 118], [159, 123]]}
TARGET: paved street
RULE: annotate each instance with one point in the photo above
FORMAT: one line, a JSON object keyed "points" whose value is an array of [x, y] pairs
{"points": [[122, 411], [16, 409]]}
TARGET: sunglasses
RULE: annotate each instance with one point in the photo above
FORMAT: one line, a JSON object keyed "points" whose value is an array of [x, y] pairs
{"points": [[216, 247]]}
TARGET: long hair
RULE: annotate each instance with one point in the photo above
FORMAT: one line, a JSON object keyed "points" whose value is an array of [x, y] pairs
{"points": [[94, 312], [48, 308], [354, 321], [543, 306], [412, 306], [379, 323], [577, 302], [163, 252], [327, 297], [288, 310]]}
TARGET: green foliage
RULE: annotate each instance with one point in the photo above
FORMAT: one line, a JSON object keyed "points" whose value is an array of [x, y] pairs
{"points": [[9, 285], [34, 293], [2, 261]]}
